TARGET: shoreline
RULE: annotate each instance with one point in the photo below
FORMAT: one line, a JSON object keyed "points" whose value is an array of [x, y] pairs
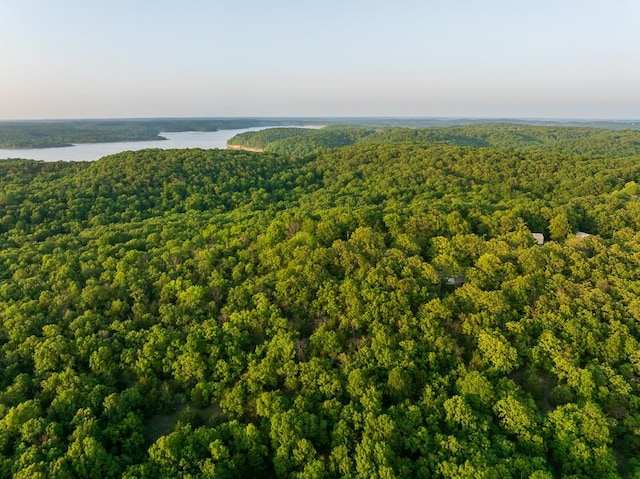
{"points": [[69, 145], [231, 146]]}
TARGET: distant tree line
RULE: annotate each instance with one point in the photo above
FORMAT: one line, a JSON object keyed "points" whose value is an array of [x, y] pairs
{"points": [[577, 140]]}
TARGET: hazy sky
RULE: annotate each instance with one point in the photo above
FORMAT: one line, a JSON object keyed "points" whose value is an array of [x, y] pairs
{"points": [[478, 58]]}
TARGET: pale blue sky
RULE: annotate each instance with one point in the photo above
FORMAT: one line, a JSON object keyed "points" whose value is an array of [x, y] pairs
{"points": [[451, 58]]}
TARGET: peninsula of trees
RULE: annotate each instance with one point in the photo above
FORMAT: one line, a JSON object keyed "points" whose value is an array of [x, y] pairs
{"points": [[352, 302], [581, 140]]}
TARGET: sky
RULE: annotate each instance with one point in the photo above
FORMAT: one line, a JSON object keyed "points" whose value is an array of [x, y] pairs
{"points": [[405, 58]]}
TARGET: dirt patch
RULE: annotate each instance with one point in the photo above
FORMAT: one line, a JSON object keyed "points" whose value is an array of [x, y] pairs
{"points": [[244, 148]]}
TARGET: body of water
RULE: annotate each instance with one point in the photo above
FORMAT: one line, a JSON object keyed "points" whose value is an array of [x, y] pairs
{"points": [[94, 151]]}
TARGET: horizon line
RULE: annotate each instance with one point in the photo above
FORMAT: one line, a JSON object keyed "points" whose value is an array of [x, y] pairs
{"points": [[324, 117]]}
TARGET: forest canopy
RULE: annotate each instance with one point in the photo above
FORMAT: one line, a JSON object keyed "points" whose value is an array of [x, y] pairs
{"points": [[380, 309], [578, 140]]}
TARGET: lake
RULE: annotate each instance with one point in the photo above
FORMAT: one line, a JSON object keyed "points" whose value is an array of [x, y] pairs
{"points": [[94, 151]]}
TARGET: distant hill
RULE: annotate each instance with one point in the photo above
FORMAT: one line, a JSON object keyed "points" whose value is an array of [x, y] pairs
{"points": [[578, 140]]}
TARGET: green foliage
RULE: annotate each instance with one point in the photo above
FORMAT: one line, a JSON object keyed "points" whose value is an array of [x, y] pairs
{"points": [[259, 139], [377, 310], [602, 142]]}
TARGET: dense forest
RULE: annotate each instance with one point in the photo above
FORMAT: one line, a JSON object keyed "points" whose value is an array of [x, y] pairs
{"points": [[592, 141], [375, 310]]}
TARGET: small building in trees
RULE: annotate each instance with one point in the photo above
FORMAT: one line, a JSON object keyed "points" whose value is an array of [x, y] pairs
{"points": [[539, 237], [456, 281]]}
